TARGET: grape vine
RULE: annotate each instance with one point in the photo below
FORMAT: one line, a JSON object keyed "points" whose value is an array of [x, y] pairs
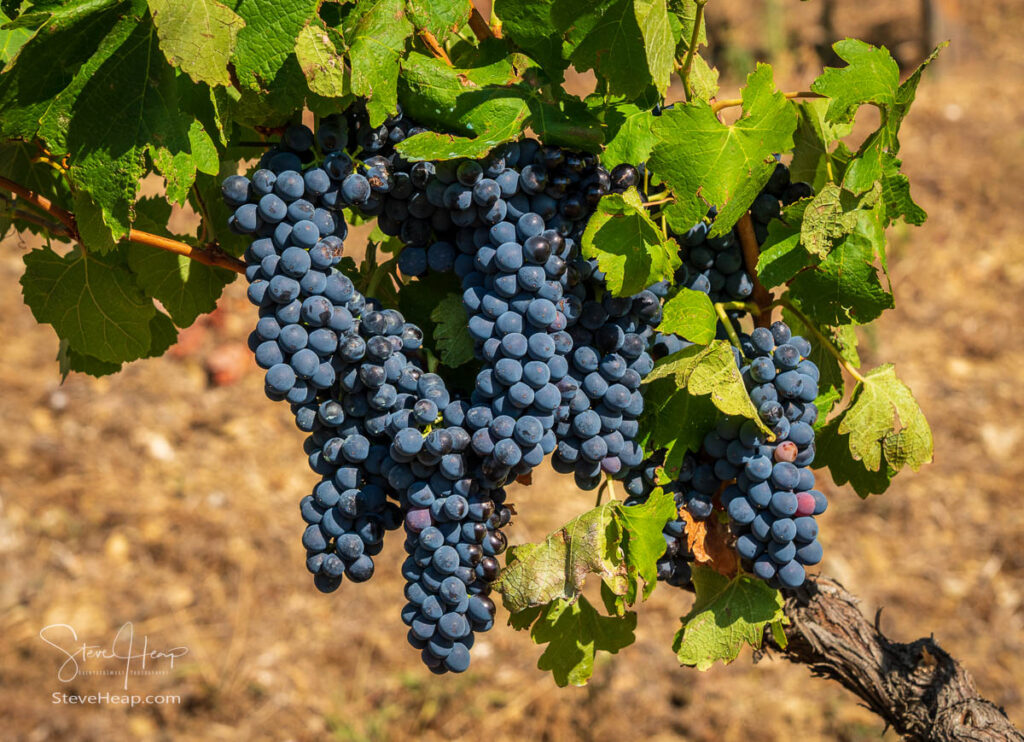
{"points": [[655, 298]]}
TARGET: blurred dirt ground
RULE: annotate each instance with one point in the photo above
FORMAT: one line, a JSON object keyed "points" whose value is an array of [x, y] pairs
{"points": [[159, 497]]}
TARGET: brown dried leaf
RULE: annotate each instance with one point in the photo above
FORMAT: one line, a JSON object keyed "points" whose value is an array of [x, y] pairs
{"points": [[708, 540]]}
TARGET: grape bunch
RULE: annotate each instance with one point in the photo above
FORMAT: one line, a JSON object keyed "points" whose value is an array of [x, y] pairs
{"points": [[386, 438], [773, 502], [765, 485]]}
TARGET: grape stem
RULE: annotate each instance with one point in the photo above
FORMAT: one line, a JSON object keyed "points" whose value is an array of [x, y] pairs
{"points": [[761, 296], [608, 485], [740, 306], [210, 254], [729, 329], [480, 27], [719, 105], [820, 337], [377, 276], [698, 20], [660, 201]]}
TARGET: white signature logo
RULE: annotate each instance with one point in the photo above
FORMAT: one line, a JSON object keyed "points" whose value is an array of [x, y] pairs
{"points": [[124, 648]]}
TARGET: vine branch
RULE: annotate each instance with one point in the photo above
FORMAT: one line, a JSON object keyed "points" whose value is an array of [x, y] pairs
{"points": [[210, 255], [718, 105], [698, 20], [479, 26], [918, 688], [761, 296]]}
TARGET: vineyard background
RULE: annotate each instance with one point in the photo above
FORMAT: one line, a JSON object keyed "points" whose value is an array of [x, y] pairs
{"points": [[166, 495]]}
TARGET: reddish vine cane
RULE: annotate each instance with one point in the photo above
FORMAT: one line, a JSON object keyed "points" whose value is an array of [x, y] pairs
{"points": [[210, 254]]}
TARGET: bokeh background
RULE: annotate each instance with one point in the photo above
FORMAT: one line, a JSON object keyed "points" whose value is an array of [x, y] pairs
{"points": [[167, 495]]}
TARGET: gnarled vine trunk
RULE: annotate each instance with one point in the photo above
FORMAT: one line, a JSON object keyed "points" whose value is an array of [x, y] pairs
{"points": [[922, 692]]}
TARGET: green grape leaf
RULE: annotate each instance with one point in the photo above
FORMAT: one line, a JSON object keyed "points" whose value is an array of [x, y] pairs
{"points": [[815, 148], [643, 543], [443, 18], [420, 298], [832, 450], [709, 370], [91, 301], [629, 247], [53, 66], [323, 67], [683, 14], [537, 574], [691, 315], [703, 79], [845, 287], [896, 194], [706, 162], [782, 255], [829, 216], [268, 38], [133, 107], [11, 39], [481, 103], [431, 145], [574, 633], [727, 615], [69, 360], [675, 422], [529, 24], [631, 137], [378, 40], [567, 122], [871, 76], [659, 45], [272, 107], [161, 328], [185, 287], [93, 231], [885, 425], [611, 43], [451, 336], [198, 37], [60, 12]]}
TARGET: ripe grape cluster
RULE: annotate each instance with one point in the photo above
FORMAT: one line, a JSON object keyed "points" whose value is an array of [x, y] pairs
{"points": [[773, 502], [387, 439], [559, 364], [763, 482], [562, 366]]}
